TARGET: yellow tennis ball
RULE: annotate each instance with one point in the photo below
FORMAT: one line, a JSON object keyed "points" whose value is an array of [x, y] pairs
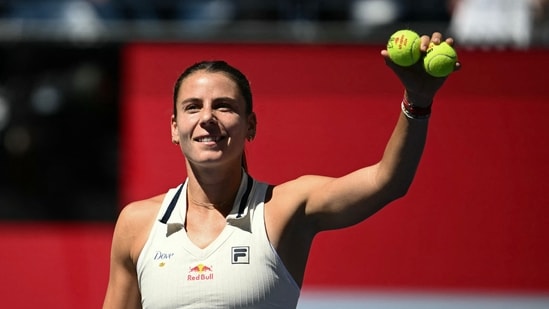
{"points": [[403, 47], [440, 59]]}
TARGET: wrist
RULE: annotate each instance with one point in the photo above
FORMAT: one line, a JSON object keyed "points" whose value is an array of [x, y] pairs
{"points": [[413, 111], [418, 100]]}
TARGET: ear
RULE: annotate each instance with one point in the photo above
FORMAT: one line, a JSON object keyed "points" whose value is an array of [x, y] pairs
{"points": [[175, 135], [252, 126]]}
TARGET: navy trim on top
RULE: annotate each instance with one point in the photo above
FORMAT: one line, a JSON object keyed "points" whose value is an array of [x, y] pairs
{"points": [[243, 201], [170, 208]]}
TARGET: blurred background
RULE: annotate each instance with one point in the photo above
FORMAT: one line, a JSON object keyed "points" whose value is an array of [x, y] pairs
{"points": [[61, 76], [59, 73]]}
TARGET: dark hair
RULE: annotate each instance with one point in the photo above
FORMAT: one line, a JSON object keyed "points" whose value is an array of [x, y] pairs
{"points": [[217, 66], [233, 73]]}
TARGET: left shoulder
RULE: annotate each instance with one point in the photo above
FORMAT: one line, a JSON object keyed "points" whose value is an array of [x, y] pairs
{"points": [[297, 192], [288, 201]]}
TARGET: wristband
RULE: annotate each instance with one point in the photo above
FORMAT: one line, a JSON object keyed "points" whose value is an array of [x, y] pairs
{"points": [[415, 112]]}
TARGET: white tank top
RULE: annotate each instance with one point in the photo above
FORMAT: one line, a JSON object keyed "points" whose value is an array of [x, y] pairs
{"points": [[239, 269]]}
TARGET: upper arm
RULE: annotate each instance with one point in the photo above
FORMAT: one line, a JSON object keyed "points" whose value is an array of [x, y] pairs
{"points": [[332, 203], [340, 202], [122, 289]]}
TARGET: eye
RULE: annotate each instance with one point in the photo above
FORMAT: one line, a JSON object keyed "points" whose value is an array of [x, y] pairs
{"points": [[225, 105], [191, 107]]}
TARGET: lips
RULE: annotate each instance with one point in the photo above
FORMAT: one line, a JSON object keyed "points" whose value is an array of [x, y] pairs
{"points": [[208, 139]]}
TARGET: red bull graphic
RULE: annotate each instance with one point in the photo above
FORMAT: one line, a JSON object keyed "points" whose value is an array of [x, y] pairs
{"points": [[200, 272]]}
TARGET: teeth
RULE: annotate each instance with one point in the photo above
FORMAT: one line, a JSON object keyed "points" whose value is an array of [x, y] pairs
{"points": [[208, 139]]}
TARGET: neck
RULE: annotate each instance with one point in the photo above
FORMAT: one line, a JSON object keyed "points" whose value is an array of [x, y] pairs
{"points": [[208, 205], [213, 189]]}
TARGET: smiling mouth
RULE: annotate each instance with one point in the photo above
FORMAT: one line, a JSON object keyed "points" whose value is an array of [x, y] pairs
{"points": [[208, 139]]}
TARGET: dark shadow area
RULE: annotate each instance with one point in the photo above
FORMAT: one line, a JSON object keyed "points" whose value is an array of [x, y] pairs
{"points": [[58, 131]]}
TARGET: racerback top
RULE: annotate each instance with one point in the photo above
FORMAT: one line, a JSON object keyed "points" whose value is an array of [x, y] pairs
{"points": [[239, 269]]}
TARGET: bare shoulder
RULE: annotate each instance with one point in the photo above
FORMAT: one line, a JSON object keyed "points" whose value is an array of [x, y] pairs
{"points": [[141, 211], [287, 202], [135, 221], [299, 190]]}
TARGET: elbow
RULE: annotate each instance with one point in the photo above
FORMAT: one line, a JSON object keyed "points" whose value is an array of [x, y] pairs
{"points": [[395, 193], [391, 184], [400, 192], [394, 184], [396, 188]]}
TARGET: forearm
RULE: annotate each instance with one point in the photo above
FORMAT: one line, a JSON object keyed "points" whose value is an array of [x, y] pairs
{"points": [[402, 155], [398, 166]]}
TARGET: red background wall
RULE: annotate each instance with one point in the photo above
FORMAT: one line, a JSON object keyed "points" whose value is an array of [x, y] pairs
{"points": [[475, 219]]}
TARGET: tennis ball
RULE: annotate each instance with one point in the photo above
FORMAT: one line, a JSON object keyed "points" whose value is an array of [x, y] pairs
{"points": [[440, 59], [403, 47]]}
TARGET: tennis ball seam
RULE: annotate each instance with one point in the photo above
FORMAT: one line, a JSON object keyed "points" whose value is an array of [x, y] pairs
{"points": [[440, 60]]}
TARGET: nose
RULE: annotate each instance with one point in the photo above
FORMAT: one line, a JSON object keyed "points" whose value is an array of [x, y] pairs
{"points": [[207, 116]]}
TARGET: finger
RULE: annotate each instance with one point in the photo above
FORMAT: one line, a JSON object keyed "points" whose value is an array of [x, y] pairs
{"points": [[425, 40], [457, 67], [436, 37]]}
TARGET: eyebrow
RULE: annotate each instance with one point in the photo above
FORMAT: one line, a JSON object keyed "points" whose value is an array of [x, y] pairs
{"points": [[193, 99], [226, 99]]}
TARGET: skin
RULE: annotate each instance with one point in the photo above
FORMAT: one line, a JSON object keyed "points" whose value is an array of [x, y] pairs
{"points": [[211, 127]]}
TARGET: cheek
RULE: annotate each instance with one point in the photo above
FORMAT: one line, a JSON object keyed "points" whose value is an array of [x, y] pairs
{"points": [[186, 124], [237, 129], [181, 131]]}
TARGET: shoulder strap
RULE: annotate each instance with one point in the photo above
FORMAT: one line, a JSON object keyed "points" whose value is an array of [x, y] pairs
{"points": [[170, 208]]}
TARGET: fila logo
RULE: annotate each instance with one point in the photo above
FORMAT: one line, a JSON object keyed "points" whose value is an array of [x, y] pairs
{"points": [[240, 255]]}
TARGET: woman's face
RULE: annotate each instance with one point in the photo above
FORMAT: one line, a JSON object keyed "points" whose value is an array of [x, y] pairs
{"points": [[211, 124]]}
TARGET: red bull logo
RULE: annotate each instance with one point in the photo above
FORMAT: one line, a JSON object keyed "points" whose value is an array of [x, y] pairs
{"points": [[200, 272]]}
